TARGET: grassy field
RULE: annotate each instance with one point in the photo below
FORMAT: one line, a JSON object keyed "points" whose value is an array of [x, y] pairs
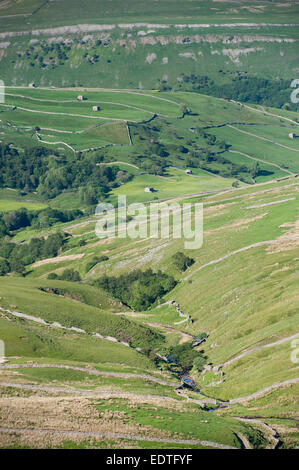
{"points": [[54, 118], [41, 300], [137, 60], [11, 200], [261, 149], [7, 205], [245, 301], [162, 42], [173, 184], [30, 341], [46, 14], [57, 118]]}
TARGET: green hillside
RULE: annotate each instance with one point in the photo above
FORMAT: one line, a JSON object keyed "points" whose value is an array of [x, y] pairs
{"points": [[134, 340], [246, 304]]}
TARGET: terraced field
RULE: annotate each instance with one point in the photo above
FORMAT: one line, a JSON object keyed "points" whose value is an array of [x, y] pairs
{"points": [[57, 118]]}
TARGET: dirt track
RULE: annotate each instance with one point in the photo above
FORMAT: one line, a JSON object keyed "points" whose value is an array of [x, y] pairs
{"points": [[240, 250], [126, 375], [101, 435], [258, 348]]}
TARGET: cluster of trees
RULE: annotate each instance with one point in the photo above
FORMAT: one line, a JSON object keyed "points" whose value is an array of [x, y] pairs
{"points": [[47, 54], [153, 155], [21, 218], [67, 275], [211, 139], [187, 357], [14, 257], [50, 173], [244, 88], [181, 261], [51, 54], [221, 165], [138, 289]]}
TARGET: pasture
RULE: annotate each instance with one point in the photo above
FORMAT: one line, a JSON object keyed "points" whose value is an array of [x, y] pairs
{"points": [[56, 118], [174, 183]]}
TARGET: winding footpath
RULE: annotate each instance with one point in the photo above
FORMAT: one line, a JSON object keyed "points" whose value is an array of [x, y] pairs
{"points": [[259, 348], [125, 375], [273, 437], [65, 114], [262, 161], [58, 325], [231, 253], [110, 435], [254, 395], [266, 112], [273, 203], [262, 138], [207, 399], [240, 250]]}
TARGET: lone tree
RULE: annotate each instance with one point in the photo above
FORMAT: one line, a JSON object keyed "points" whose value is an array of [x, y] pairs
{"points": [[255, 169], [181, 261], [184, 109]]}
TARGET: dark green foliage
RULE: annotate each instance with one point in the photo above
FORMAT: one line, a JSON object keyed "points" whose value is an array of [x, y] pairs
{"points": [[52, 276], [184, 355], [244, 88], [15, 220], [4, 267], [50, 173], [52, 245], [17, 266], [102, 258], [23, 254], [138, 289], [181, 261], [48, 55], [70, 275], [152, 155], [48, 217], [3, 229], [199, 363]]}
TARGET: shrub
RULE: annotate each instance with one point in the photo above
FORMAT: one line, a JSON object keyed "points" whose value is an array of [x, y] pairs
{"points": [[52, 276], [184, 355], [181, 261], [70, 275]]}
